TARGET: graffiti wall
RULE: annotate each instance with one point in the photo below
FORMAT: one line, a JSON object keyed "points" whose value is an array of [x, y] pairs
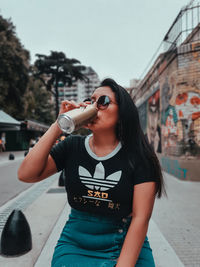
{"points": [[181, 115], [153, 121], [143, 116], [173, 167], [171, 100]]}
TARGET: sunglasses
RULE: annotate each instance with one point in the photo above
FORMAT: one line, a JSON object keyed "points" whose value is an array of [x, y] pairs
{"points": [[102, 103]]}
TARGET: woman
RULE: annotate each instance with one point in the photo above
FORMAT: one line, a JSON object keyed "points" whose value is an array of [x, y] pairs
{"points": [[112, 178]]}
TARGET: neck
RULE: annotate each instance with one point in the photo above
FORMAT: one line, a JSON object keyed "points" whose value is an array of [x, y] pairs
{"points": [[102, 144], [104, 139]]}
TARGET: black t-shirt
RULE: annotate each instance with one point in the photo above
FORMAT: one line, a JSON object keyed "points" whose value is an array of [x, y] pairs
{"points": [[100, 185]]}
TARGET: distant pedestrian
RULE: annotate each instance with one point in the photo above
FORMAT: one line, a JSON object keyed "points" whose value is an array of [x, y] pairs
{"points": [[3, 142], [112, 178], [62, 137], [1, 145], [32, 142]]}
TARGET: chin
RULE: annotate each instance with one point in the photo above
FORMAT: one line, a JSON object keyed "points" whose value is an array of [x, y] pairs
{"points": [[91, 127]]}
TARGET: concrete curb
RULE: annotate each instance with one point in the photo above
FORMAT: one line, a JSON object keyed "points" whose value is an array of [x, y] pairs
{"points": [[42, 216], [47, 252], [163, 253]]}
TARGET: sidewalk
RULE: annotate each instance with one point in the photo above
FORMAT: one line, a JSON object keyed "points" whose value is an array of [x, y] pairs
{"points": [[47, 216], [42, 215], [4, 156]]}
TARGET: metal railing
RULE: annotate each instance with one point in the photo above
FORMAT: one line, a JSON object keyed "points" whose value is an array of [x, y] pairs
{"points": [[182, 27], [186, 21]]}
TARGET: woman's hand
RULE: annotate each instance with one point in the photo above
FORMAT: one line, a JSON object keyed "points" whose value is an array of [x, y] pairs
{"points": [[67, 105]]}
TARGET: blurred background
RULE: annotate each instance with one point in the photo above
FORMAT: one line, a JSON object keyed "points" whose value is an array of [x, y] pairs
{"points": [[51, 51]]}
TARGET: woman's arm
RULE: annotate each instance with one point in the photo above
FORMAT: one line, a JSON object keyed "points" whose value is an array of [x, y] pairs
{"points": [[143, 202], [38, 164]]}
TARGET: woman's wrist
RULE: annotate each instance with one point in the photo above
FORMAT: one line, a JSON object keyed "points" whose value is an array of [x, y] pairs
{"points": [[57, 128]]}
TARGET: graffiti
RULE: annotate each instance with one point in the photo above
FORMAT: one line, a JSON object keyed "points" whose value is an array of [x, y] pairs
{"points": [[172, 119], [153, 128], [181, 117], [165, 98], [173, 167], [143, 116], [188, 106]]}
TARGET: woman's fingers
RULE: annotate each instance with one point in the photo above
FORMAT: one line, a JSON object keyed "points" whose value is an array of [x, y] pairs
{"points": [[87, 102], [67, 105], [83, 104]]}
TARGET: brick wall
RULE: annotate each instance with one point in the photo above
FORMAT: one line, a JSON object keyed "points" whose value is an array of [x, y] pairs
{"points": [[170, 107]]}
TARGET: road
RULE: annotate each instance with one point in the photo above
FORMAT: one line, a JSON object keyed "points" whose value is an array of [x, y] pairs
{"points": [[10, 186]]}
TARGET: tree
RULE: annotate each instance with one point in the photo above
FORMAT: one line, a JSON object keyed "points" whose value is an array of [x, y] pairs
{"points": [[38, 103], [14, 70], [56, 68]]}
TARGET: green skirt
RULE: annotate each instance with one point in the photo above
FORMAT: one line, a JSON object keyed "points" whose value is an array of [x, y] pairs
{"points": [[88, 240]]}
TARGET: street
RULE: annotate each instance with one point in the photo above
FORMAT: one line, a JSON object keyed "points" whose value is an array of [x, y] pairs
{"points": [[10, 186]]}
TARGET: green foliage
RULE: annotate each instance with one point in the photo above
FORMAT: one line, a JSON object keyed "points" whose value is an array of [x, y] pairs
{"points": [[38, 104], [56, 68], [14, 68], [23, 96]]}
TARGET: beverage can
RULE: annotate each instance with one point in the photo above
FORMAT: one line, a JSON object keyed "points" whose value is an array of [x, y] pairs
{"points": [[76, 118]]}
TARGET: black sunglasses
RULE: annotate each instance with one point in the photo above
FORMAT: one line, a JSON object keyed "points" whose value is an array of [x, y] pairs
{"points": [[102, 102]]}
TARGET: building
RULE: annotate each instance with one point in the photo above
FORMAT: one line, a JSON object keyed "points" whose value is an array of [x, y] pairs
{"points": [[16, 134], [8, 125], [133, 86], [80, 90], [168, 97]]}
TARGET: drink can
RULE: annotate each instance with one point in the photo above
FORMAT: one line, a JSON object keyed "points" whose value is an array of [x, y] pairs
{"points": [[73, 120]]}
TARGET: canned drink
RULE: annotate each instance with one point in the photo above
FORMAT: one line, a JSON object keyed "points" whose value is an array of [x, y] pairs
{"points": [[74, 119]]}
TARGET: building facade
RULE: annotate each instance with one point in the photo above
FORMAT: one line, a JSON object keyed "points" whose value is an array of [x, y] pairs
{"points": [[80, 90], [168, 101]]}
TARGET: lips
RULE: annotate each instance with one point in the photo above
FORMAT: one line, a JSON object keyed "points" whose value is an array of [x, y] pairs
{"points": [[94, 121], [91, 122]]}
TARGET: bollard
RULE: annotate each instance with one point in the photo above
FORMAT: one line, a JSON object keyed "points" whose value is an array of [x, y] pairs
{"points": [[61, 181], [16, 235], [11, 156]]}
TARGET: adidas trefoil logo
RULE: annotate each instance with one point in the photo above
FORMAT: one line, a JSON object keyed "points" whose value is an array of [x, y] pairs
{"points": [[99, 181]]}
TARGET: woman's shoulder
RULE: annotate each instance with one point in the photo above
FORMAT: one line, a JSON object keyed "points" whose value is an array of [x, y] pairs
{"points": [[75, 139]]}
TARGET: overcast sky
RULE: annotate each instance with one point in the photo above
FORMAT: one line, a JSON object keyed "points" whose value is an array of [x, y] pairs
{"points": [[117, 38]]}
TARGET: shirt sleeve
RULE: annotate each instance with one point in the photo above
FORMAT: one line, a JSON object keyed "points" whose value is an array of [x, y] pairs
{"points": [[144, 172], [61, 152]]}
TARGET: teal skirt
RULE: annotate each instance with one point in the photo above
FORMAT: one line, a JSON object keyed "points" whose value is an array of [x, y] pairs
{"points": [[88, 240]]}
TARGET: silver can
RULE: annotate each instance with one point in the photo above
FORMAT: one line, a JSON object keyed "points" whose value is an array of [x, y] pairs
{"points": [[74, 119]]}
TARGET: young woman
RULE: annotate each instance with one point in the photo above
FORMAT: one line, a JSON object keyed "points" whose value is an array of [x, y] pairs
{"points": [[112, 179]]}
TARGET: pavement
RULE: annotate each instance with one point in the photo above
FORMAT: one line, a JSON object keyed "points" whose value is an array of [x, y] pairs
{"points": [[4, 156], [49, 210]]}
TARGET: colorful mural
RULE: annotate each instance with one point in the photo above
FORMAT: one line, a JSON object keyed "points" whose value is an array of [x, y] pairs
{"points": [[153, 123], [172, 123], [172, 166], [142, 110], [181, 120]]}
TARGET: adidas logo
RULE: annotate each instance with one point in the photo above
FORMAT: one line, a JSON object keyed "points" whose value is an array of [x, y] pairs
{"points": [[99, 181]]}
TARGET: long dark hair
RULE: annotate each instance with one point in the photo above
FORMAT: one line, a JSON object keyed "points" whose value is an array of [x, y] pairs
{"points": [[129, 132]]}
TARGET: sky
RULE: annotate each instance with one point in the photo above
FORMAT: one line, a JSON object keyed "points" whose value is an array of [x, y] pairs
{"points": [[117, 38]]}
